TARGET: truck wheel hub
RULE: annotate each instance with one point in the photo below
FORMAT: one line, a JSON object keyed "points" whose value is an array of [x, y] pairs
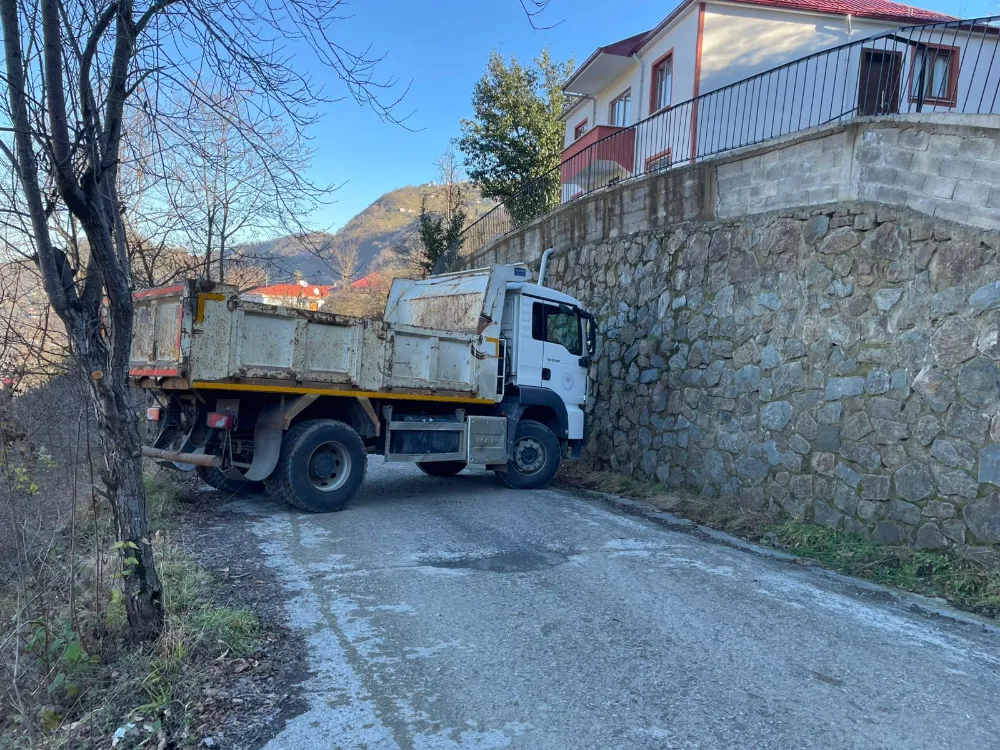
{"points": [[529, 455], [329, 467]]}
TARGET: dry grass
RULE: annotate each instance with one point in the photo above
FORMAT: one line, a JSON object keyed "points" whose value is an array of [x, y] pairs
{"points": [[730, 517], [69, 672], [78, 677], [967, 583]]}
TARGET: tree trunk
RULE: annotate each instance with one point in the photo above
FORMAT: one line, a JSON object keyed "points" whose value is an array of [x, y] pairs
{"points": [[104, 356], [118, 436]]}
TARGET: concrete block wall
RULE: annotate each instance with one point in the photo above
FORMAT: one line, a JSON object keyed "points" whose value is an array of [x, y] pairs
{"points": [[950, 173], [805, 173], [943, 166]]}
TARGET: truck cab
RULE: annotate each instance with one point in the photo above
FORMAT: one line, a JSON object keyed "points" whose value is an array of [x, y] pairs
{"points": [[480, 367], [552, 341]]}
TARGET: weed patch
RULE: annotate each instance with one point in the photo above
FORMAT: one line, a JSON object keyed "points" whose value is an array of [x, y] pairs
{"points": [[77, 678], [966, 582]]}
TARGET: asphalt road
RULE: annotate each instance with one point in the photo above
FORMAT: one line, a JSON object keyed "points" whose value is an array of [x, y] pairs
{"points": [[456, 613]]}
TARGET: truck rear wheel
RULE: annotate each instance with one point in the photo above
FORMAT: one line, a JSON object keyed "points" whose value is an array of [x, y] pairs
{"points": [[535, 459], [213, 477], [441, 468], [321, 466]]}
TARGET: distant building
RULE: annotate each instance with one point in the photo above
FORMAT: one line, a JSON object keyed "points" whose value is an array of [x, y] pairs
{"points": [[370, 281], [302, 294]]}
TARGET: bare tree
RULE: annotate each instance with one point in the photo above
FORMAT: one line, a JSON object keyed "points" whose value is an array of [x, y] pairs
{"points": [[450, 178], [74, 70], [218, 188], [346, 261], [442, 218]]}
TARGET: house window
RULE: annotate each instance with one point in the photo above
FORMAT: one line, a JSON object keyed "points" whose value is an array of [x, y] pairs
{"points": [[620, 110], [659, 162], [662, 83], [580, 130], [935, 70]]}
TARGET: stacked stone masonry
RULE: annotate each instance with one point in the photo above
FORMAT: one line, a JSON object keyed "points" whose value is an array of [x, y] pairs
{"points": [[810, 327], [838, 364]]}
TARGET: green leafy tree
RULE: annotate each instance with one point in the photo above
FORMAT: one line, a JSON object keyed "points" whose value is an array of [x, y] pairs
{"points": [[512, 146], [440, 233]]}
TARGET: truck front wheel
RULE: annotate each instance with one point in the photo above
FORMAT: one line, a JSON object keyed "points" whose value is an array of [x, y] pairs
{"points": [[321, 466], [535, 459]]}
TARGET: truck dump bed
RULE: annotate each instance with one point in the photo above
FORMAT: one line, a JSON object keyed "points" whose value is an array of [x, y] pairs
{"points": [[439, 338]]}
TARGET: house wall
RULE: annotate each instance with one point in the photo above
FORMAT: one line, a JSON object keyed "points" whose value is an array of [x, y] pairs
{"points": [[740, 42], [682, 38], [672, 128], [585, 110], [613, 90]]}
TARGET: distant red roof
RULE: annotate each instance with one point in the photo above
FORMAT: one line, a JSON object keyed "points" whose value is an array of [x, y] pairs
{"points": [[366, 282], [310, 291]]}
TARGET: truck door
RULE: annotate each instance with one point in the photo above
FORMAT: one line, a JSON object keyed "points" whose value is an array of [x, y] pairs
{"points": [[560, 330]]}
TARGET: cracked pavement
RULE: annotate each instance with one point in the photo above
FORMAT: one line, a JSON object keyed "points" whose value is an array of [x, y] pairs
{"points": [[458, 613]]}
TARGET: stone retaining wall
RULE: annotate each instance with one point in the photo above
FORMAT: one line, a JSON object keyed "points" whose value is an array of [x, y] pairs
{"points": [[837, 363], [802, 326]]}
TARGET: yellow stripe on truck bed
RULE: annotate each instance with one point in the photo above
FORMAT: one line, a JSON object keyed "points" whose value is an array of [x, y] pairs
{"points": [[205, 385]]}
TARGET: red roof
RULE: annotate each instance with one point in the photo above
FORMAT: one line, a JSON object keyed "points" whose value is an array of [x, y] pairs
{"points": [[883, 10], [626, 47], [311, 291], [368, 281]]}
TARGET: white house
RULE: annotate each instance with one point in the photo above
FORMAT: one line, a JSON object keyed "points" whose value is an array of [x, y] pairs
{"points": [[649, 84]]}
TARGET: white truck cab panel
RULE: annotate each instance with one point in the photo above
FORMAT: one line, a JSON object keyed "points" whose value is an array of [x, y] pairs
{"points": [[551, 346]]}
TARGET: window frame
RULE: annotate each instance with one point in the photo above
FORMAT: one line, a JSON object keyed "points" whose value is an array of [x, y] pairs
{"points": [[954, 62], [577, 135], [626, 94], [654, 105], [540, 311], [667, 154]]}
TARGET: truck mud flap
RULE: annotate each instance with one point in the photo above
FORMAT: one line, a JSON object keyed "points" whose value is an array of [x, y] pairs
{"points": [[267, 436]]}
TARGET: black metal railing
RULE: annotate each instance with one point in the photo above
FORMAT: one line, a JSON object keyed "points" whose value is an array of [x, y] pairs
{"points": [[948, 67]]}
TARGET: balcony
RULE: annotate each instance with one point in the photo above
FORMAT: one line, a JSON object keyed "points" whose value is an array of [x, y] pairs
{"points": [[603, 153]]}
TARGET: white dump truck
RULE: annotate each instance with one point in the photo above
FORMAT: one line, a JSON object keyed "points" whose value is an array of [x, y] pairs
{"points": [[480, 367]]}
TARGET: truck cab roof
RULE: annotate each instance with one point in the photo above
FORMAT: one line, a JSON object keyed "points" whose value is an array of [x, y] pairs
{"points": [[543, 292]]}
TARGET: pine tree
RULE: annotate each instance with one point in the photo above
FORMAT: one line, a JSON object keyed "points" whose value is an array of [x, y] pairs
{"points": [[513, 144]]}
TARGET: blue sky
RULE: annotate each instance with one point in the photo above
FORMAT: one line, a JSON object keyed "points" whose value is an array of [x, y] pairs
{"points": [[442, 46]]}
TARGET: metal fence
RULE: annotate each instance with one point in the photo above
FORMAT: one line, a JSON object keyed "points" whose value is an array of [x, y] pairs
{"points": [[950, 67]]}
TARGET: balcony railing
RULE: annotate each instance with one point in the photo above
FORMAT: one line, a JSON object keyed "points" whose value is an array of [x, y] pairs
{"points": [[950, 67]]}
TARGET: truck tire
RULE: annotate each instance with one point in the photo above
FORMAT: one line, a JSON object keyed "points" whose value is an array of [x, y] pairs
{"points": [[321, 466], [535, 459], [214, 477], [441, 468]]}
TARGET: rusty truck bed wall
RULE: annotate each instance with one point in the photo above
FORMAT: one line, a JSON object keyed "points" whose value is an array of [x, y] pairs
{"points": [[205, 336]]}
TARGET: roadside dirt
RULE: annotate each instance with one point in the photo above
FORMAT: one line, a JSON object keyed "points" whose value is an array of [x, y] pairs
{"points": [[250, 705]]}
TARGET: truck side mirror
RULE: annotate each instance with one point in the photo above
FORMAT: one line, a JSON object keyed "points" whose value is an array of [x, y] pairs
{"points": [[591, 335]]}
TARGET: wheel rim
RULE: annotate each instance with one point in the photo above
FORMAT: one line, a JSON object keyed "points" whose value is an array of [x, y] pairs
{"points": [[329, 467], [529, 455]]}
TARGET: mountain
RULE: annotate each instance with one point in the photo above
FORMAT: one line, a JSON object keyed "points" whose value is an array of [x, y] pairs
{"points": [[366, 243]]}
